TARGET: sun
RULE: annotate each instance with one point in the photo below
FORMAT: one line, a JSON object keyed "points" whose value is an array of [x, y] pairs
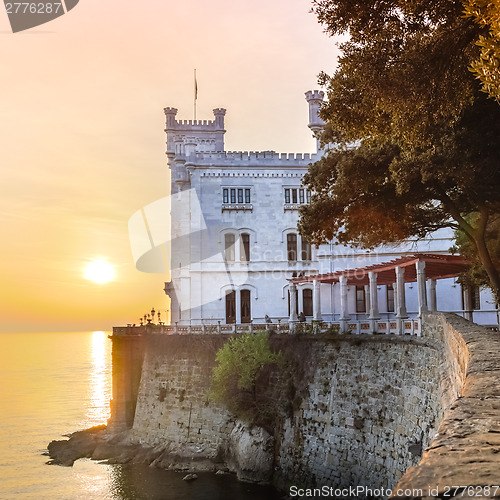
{"points": [[99, 271]]}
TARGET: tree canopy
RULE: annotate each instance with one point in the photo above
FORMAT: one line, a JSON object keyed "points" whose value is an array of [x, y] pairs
{"points": [[415, 138], [487, 68]]}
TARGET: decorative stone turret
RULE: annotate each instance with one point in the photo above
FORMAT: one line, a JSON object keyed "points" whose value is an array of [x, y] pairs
{"points": [[219, 114], [170, 114], [316, 124]]}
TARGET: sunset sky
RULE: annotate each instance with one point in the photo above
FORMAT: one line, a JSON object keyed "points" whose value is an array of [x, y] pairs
{"points": [[83, 145]]}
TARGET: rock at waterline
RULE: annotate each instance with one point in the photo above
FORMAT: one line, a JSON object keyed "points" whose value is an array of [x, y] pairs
{"points": [[190, 477], [81, 444]]}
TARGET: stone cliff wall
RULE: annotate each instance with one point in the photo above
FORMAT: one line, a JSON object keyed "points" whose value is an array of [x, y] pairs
{"points": [[371, 406], [173, 405], [368, 407]]}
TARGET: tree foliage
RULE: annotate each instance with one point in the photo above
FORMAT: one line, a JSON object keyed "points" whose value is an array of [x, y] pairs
{"points": [[487, 68], [237, 378], [416, 141]]}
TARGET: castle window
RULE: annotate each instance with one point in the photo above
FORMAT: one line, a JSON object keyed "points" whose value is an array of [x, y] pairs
{"points": [[306, 253], [245, 306], [237, 198], [230, 307], [360, 299], [476, 298], [291, 247], [307, 302], [473, 295], [229, 241], [390, 298], [245, 247], [295, 197]]}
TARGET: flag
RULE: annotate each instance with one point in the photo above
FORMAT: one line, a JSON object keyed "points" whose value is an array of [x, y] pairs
{"points": [[195, 87]]}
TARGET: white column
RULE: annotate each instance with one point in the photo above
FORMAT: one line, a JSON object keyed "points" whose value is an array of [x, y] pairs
{"points": [[300, 300], [344, 316], [367, 298], [374, 315], [422, 292], [292, 289], [432, 295], [332, 301], [316, 301], [467, 303], [401, 314]]}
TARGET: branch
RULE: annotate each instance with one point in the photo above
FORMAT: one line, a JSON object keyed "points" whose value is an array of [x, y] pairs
{"points": [[455, 213]]}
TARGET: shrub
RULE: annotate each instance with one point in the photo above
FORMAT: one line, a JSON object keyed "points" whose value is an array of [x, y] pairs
{"points": [[240, 379]]}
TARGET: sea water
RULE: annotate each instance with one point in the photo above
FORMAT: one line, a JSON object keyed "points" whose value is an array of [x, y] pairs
{"points": [[52, 384]]}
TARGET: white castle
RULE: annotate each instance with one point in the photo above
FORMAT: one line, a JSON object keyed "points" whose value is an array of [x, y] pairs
{"points": [[236, 256]]}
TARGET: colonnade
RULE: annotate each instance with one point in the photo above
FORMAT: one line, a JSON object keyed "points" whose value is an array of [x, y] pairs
{"points": [[372, 297]]}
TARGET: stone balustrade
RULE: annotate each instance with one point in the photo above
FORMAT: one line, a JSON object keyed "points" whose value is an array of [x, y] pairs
{"points": [[383, 326]]}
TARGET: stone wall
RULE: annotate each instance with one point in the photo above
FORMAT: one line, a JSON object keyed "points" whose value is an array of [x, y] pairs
{"points": [[372, 404], [466, 449], [128, 357], [173, 405], [367, 407]]}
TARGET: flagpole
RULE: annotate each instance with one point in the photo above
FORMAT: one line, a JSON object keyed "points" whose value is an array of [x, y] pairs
{"points": [[195, 93]]}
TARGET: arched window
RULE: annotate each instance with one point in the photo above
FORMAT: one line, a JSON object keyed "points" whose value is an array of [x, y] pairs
{"points": [[244, 247], [307, 302], [230, 307], [245, 306], [306, 253], [229, 241], [291, 247]]}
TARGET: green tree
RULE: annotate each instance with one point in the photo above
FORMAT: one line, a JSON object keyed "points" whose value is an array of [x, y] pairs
{"points": [[487, 68], [416, 141], [237, 377]]}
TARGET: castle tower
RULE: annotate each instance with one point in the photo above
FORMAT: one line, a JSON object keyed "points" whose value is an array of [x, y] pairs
{"points": [[316, 124], [186, 139]]}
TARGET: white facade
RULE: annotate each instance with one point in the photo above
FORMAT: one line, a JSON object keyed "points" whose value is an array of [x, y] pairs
{"points": [[234, 240]]}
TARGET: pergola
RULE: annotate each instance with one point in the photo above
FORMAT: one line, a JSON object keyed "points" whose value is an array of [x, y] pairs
{"points": [[410, 268]]}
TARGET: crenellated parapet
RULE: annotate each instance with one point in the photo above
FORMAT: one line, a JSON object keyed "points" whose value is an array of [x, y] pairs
{"points": [[188, 125], [205, 135], [251, 158]]}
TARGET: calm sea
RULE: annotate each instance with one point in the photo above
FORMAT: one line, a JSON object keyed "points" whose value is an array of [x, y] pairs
{"points": [[52, 384]]}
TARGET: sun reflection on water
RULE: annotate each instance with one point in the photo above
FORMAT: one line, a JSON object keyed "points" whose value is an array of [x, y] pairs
{"points": [[98, 410]]}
